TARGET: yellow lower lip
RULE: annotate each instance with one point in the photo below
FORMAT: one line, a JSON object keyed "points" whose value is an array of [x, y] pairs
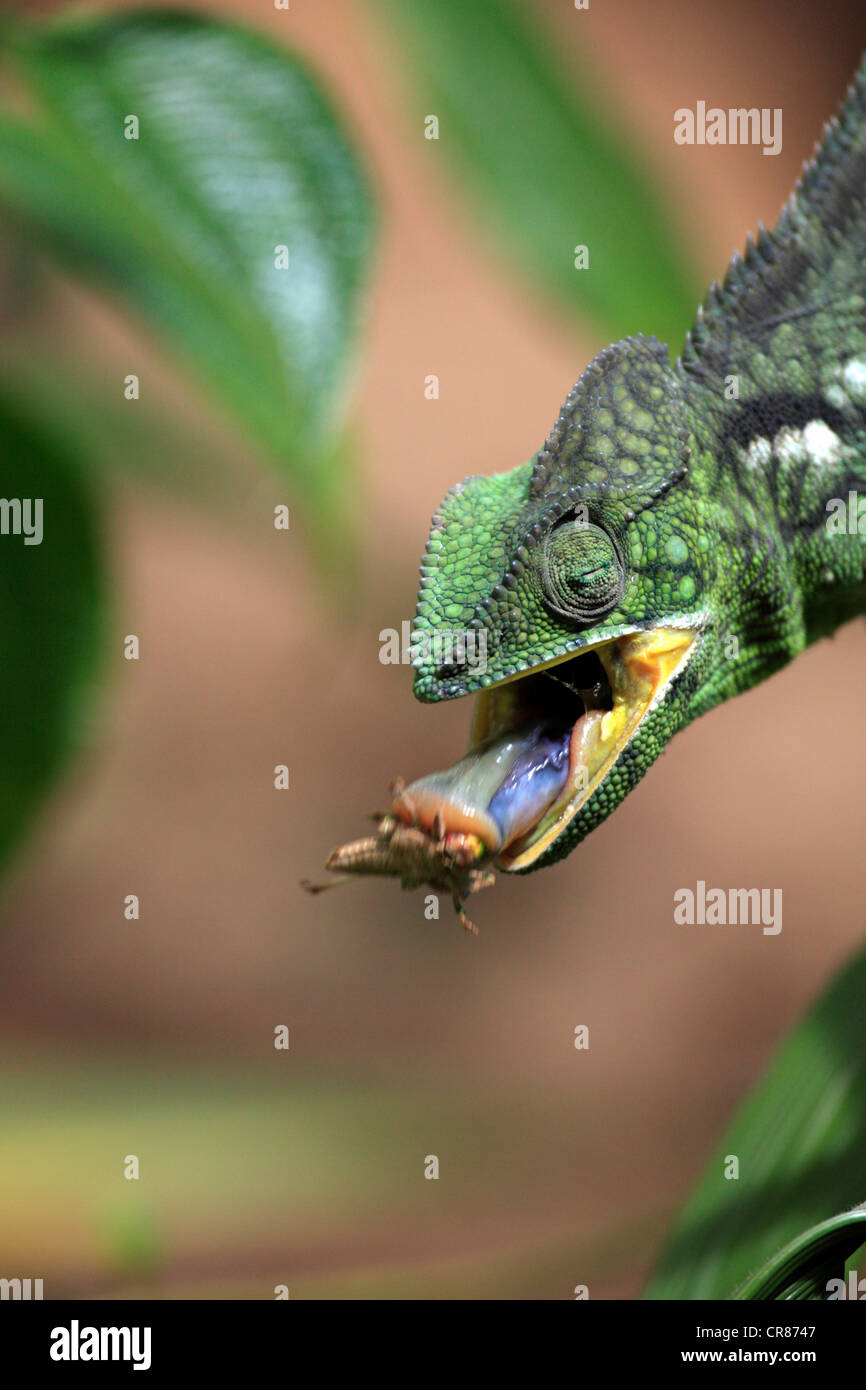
{"points": [[638, 666]]}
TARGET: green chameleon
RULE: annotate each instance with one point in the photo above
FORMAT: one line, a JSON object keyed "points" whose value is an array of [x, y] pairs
{"points": [[684, 532]]}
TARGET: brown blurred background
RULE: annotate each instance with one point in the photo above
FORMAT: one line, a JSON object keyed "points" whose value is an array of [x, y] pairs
{"points": [[407, 1038]]}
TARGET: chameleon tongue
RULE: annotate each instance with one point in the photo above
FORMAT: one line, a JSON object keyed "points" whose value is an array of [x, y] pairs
{"points": [[499, 791]]}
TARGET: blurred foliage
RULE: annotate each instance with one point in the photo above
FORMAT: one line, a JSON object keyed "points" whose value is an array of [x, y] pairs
{"points": [[51, 616], [235, 154], [800, 1139], [134, 1245], [546, 156], [254, 1175], [80, 401]]}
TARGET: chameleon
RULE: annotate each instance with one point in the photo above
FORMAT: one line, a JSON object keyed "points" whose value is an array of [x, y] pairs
{"points": [[685, 531]]}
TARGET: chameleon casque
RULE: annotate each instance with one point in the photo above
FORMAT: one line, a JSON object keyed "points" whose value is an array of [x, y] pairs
{"points": [[685, 531]]}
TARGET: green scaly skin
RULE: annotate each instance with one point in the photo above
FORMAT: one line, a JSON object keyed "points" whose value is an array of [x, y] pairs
{"points": [[717, 505]]}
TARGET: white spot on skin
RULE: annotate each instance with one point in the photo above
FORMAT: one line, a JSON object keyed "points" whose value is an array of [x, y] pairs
{"points": [[848, 385], [854, 380], [816, 443], [788, 446], [758, 453], [822, 445]]}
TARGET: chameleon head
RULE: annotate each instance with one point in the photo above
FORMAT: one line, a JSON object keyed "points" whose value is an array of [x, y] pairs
{"points": [[569, 596]]}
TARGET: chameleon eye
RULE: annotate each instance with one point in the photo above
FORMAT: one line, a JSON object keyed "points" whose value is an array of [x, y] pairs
{"points": [[582, 574]]}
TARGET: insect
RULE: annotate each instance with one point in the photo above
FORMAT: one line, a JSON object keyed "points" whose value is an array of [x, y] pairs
{"points": [[447, 860]]}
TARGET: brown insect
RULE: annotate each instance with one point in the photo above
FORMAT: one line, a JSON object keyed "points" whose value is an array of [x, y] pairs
{"points": [[447, 860]]}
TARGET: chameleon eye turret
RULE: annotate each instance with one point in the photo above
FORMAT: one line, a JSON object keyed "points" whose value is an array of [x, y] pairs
{"points": [[582, 573]]}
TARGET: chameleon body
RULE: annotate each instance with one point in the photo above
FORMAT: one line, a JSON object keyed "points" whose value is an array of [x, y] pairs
{"points": [[686, 529]]}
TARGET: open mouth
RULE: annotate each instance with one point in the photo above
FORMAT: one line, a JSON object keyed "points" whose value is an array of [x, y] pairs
{"points": [[542, 743]]}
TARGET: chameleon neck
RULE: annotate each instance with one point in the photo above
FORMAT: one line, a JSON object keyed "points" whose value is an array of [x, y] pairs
{"points": [[831, 562], [814, 476], [785, 478]]}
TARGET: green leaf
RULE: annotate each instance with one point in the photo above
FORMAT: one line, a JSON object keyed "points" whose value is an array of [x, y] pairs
{"points": [[804, 1269], [546, 156], [50, 617], [800, 1140], [856, 1261], [238, 153]]}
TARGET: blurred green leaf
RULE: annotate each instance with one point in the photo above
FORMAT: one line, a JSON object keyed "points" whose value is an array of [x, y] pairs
{"points": [[134, 1243], [800, 1139], [50, 617], [545, 154], [83, 401], [238, 153]]}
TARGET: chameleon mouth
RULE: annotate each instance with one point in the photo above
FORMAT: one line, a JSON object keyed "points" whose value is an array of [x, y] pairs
{"points": [[542, 743]]}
